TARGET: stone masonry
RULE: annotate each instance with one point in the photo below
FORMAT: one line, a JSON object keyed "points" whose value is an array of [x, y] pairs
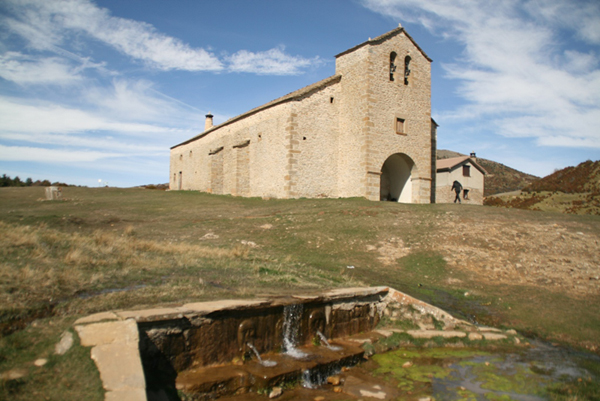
{"points": [[329, 139]]}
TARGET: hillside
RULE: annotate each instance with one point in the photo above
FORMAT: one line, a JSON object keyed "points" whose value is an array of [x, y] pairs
{"points": [[103, 249], [500, 178], [572, 190], [585, 178]]}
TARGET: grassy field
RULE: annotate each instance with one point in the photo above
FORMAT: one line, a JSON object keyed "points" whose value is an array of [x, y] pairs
{"points": [[107, 248]]}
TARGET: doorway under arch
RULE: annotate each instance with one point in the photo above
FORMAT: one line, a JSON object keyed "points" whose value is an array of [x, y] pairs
{"points": [[396, 179]]}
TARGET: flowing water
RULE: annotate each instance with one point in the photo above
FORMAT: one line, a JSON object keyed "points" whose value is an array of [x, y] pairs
{"points": [[324, 340], [292, 315], [265, 362]]}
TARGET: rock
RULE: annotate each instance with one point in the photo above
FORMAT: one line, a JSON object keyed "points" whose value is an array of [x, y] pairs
{"points": [[475, 336], [436, 333], [494, 336], [251, 244], [337, 389], [319, 398], [65, 343], [517, 341], [512, 332], [266, 226], [209, 236], [14, 374], [334, 380], [407, 364], [276, 392], [40, 362]]}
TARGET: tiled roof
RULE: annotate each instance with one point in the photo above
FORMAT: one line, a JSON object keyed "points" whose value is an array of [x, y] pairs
{"points": [[449, 164]]}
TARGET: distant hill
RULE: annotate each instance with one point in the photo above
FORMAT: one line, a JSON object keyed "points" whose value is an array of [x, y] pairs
{"points": [[500, 178], [573, 190], [585, 178]]}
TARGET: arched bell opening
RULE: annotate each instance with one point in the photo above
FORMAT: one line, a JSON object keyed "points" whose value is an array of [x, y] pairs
{"points": [[396, 179]]}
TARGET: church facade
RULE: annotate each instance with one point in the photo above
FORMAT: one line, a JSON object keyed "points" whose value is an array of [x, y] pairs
{"points": [[366, 132]]}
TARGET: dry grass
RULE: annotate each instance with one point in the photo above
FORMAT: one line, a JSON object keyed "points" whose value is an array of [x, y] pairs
{"points": [[42, 264]]}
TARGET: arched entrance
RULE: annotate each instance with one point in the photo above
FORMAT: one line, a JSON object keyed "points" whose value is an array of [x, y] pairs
{"points": [[395, 182]]}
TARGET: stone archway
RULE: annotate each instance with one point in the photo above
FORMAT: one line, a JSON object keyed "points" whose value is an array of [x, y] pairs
{"points": [[396, 179]]}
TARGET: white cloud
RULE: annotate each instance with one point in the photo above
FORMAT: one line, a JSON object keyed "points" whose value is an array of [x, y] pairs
{"points": [[270, 62], [27, 70], [518, 70], [17, 115], [47, 24], [45, 155]]}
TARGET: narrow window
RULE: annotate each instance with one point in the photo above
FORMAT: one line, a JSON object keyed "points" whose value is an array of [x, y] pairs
{"points": [[181, 156], [190, 153], [466, 171], [330, 100], [406, 69], [400, 126], [392, 65]]}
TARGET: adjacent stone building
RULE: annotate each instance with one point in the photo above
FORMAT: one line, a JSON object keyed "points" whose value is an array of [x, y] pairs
{"points": [[467, 172], [365, 131]]}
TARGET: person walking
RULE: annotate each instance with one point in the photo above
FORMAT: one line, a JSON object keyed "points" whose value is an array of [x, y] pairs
{"points": [[456, 187]]}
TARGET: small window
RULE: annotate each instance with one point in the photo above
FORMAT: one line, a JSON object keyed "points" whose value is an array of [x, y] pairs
{"points": [[466, 171], [392, 65], [181, 157], [406, 69], [331, 100], [190, 153], [400, 126]]}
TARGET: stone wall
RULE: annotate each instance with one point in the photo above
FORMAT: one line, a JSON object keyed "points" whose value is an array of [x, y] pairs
{"points": [[474, 183], [330, 139]]}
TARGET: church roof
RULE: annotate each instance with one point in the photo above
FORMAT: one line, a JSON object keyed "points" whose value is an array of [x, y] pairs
{"points": [[296, 95], [383, 38], [451, 163]]}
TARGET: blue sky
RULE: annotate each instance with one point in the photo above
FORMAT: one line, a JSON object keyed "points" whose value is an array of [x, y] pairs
{"points": [[100, 90]]}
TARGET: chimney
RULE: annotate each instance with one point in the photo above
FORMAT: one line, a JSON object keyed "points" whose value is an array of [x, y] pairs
{"points": [[208, 124], [472, 155]]}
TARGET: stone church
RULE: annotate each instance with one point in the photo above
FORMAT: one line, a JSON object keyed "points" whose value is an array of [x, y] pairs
{"points": [[366, 132]]}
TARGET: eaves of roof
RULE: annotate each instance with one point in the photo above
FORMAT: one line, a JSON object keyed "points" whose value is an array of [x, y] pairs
{"points": [[296, 95], [455, 162]]}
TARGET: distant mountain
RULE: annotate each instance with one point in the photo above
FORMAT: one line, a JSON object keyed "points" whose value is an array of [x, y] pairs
{"points": [[573, 190], [585, 178], [500, 178]]}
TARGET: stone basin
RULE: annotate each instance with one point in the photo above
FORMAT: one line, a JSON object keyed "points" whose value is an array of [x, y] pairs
{"points": [[203, 350]]}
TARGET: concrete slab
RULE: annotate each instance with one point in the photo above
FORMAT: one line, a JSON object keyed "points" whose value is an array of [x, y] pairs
{"points": [[120, 366], [108, 332], [97, 317], [152, 315], [227, 304], [354, 292]]}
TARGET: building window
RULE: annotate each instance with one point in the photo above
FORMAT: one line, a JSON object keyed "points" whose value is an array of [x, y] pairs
{"points": [[190, 153], [181, 156], [406, 69], [392, 65], [400, 126], [466, 171]]}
